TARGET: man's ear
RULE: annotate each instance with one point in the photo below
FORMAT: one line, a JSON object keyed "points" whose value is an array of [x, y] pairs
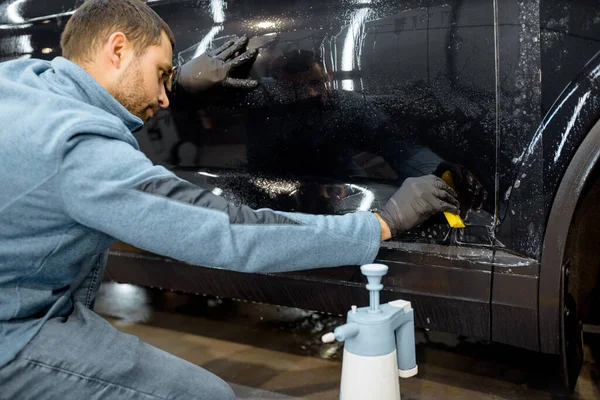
{"points": [[118, 48]]}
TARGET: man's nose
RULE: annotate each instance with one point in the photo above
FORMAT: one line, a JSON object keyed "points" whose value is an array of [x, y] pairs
{"points": [[163, 99]]}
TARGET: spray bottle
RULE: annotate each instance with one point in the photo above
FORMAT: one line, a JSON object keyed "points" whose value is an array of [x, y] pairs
{"points": [[379, 344]]}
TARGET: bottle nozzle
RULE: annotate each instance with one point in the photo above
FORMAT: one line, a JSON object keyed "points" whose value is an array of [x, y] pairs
{"points": [[328, 337]]}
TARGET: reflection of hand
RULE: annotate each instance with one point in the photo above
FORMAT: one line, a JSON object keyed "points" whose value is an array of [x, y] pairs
{"points": [[214, 69], [470, 192], [416, 201]]}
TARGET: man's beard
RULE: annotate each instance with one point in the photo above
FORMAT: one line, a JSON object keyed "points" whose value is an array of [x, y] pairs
{"points": [[129, 91]]}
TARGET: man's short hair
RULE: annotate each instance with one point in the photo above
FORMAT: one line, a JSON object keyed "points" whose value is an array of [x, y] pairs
{"points": [[93, 23]]}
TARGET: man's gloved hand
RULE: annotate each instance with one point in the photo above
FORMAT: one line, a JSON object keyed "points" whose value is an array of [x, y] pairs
{"points": [[471, 193], [213, 70], [416, 201]]}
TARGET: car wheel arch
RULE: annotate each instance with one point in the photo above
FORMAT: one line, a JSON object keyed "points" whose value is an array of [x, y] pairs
{"points": [[554, 299]]}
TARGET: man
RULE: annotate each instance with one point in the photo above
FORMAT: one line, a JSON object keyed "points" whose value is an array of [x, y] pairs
{"points": [[74, 180]]}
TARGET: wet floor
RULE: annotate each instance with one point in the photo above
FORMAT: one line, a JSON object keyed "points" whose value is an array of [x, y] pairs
{"points": [[270, 352]]}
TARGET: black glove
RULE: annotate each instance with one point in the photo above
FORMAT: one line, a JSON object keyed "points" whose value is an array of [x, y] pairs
{"points": [[416, 201], [471, 193], [205, 76]]}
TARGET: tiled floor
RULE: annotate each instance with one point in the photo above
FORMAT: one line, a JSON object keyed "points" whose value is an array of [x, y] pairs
{"points": [[266, 352]]}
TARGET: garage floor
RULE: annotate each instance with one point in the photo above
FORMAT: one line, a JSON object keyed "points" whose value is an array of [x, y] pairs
{"points": [[269, 352]]}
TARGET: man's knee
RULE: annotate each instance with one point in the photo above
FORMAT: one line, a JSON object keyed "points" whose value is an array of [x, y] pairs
{"points": [[217, 389]]}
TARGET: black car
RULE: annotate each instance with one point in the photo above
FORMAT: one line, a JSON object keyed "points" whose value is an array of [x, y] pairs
{"points": [[357, 95]]}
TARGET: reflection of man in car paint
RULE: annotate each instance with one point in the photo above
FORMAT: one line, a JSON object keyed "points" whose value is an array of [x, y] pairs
{"points": [[302, 126]]}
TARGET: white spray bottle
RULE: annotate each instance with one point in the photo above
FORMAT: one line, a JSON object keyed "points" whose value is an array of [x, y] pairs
{"points": [[379, 344]]}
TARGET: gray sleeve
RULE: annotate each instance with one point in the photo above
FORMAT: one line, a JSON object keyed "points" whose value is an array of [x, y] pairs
{"points": [[110, 186]]}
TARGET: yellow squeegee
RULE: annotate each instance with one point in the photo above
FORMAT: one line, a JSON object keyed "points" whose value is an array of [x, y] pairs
{"points": [[454, 220]]}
